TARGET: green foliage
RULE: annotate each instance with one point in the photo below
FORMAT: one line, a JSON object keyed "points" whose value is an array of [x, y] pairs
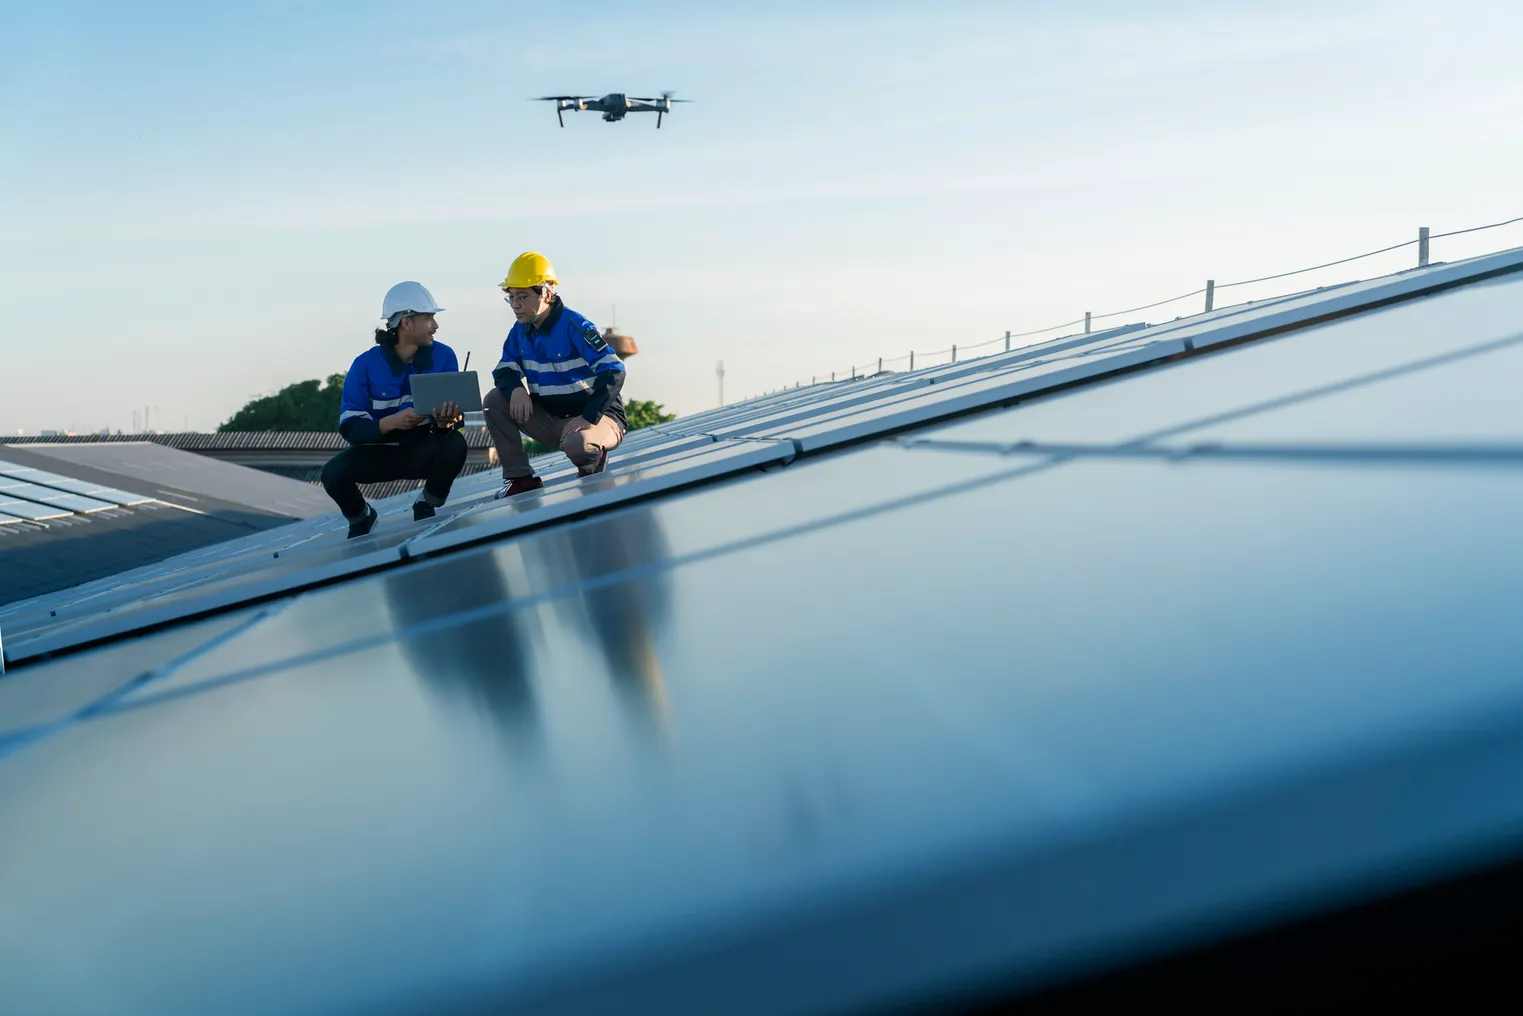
{"points": [[306, 405], [645, 413]]}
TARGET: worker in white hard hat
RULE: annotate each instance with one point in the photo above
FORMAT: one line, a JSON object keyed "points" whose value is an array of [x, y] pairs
{"points": [[389, 438], [558, 381]]}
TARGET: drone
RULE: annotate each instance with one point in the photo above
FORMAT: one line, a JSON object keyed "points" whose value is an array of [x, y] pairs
{"points": [[613, 106]]}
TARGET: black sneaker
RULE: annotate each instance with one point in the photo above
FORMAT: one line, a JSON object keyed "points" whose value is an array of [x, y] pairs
{"points": [[422, 510], [364, 524]]}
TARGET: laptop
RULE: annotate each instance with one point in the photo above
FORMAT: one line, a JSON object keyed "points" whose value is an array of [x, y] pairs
{"points": [[430, 391]]}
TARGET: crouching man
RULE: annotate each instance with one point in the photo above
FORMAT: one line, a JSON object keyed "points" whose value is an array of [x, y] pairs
{"points": [[558, 382], [388, 438]]}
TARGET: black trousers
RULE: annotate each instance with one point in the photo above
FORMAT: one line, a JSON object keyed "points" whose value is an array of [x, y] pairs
{"points": [[436, 456]]}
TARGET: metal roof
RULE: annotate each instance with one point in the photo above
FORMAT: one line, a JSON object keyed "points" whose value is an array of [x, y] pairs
{"points": [[476, 437], [64, 522], [975, 676]]}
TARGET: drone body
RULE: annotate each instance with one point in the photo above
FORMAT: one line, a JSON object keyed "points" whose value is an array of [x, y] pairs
{"points": [[613, 106]]}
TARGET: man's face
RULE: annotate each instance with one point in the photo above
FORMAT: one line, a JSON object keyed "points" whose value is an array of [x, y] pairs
{"points": [[528, 304], [418, 329]]}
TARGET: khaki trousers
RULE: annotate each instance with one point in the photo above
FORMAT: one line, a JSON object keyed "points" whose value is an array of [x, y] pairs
{"points": [[583, 448]]}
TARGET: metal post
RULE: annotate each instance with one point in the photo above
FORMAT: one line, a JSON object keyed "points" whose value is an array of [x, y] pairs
{"points": [[1210, 293], [1007, 340], [853, 372], [1086, 322], [1422, 247], [719, 371], [880, 365], [832, 375], [954, 354], [912, 359]]}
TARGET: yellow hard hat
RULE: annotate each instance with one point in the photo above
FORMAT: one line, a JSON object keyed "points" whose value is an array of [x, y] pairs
{"points": [[529, 269]]}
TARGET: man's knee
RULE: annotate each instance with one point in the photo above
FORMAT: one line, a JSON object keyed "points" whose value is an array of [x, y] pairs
{"points": [[575, 447], [495, 401], [453, 448], [333, 470]]}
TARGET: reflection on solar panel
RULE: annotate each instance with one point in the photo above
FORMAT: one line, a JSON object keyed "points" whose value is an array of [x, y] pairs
{"points": [[977, 679]]}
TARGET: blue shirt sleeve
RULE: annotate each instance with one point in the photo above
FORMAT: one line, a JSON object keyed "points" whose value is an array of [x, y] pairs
{"points": [[354, 420], [509, 372]]}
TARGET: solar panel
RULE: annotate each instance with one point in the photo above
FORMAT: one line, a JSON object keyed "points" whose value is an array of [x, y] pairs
{"points": [[1294, 366], [910, 717], [32, 511], [215, 585], [57, 481], [598, 705], [48, 496], [810, 419]]}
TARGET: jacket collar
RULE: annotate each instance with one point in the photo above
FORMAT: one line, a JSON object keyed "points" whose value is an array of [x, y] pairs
{"points": [[422, 360], [544, 327]]}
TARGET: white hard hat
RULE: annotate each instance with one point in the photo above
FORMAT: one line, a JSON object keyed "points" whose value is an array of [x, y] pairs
{"points": [[407, 298]]}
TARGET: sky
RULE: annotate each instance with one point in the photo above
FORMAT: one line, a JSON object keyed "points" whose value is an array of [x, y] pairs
{"points": [[201, 203]]}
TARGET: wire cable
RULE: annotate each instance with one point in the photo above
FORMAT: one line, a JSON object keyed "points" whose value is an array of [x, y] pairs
{"points": [[1197, 292]]}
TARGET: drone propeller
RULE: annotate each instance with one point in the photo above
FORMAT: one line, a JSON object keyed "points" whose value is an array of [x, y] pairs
{"points": [[555, 98]]}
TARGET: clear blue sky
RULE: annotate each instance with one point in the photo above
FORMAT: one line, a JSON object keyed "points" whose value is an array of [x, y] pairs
{"points": [[200, 203]]}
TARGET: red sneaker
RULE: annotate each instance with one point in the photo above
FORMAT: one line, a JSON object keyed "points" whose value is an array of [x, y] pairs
{"points": [[519, 485]]}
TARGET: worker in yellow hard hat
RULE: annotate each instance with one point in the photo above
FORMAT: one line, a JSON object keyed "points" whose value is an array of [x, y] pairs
{"points": [[558, 381]]}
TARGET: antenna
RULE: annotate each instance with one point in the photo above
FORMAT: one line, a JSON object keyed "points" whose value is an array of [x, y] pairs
{"points": [[467, 362]]}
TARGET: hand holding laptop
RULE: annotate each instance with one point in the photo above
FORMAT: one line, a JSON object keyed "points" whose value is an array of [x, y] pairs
{"points": [[447, 415]]}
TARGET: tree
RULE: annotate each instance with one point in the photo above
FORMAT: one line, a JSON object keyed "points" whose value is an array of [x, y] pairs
{"points": [[306, 405], [645, 413]]}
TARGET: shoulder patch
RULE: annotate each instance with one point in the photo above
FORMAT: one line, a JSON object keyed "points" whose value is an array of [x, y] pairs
{"points": [[593, 337]]}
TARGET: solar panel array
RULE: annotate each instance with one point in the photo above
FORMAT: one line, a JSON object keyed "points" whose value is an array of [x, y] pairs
{"points": [[36, 495], [1122, 631]]}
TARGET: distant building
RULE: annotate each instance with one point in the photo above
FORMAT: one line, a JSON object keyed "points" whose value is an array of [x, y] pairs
{"points": [[624, 345]]}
